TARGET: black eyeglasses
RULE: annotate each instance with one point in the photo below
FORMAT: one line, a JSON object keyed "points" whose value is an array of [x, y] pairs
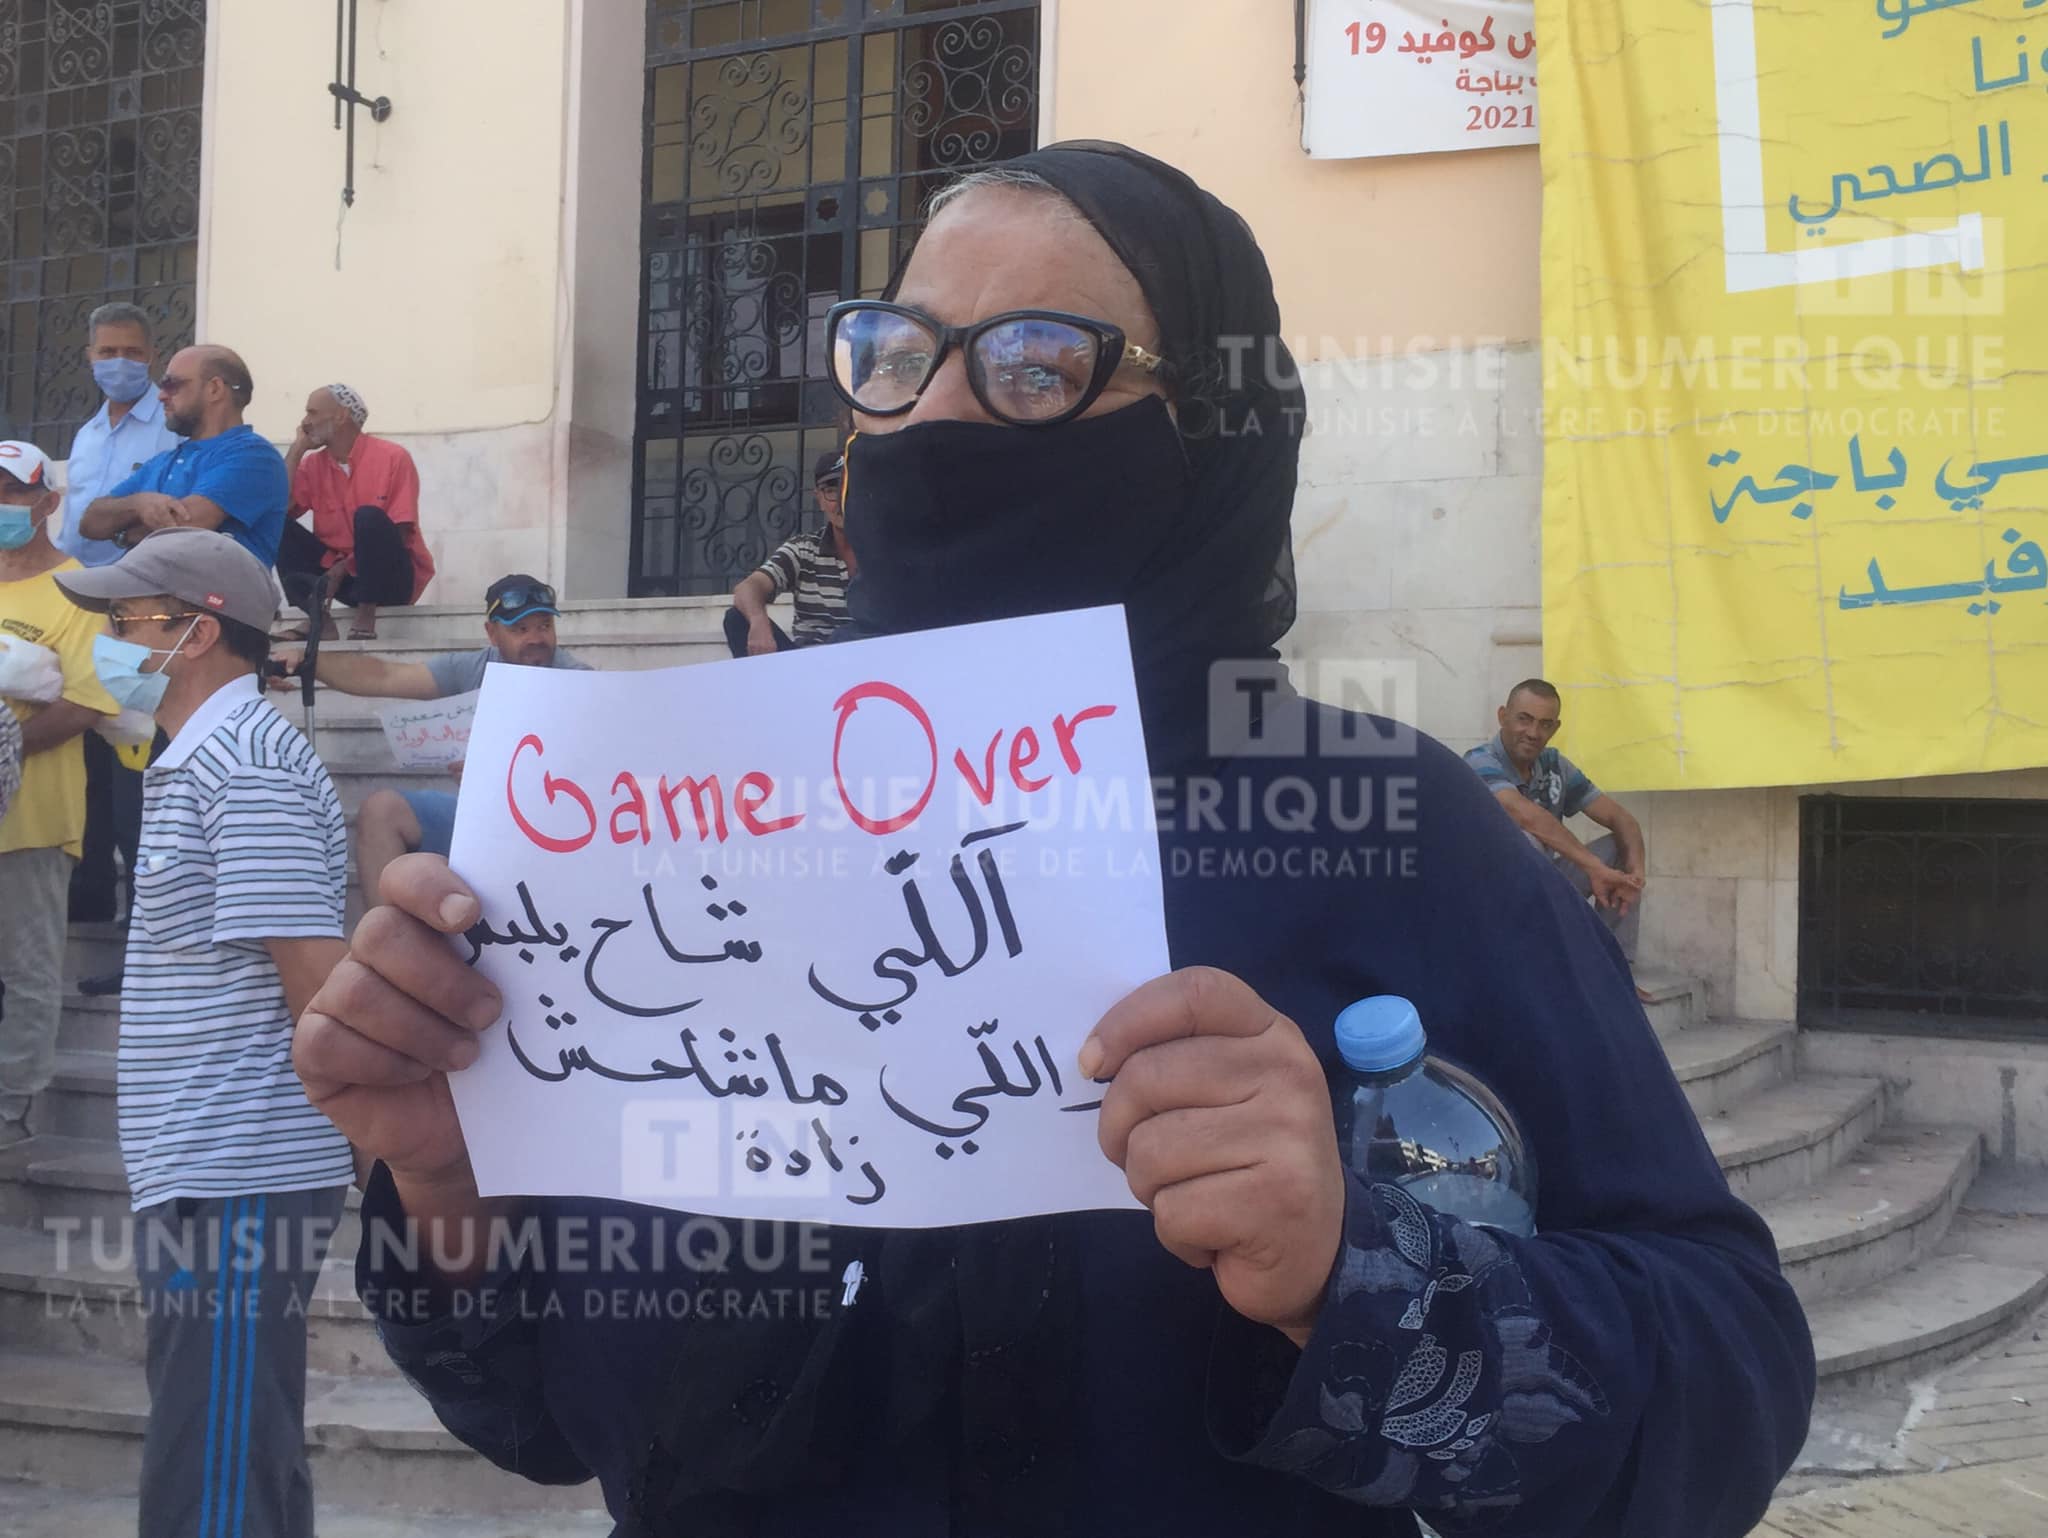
{"points": [[1029, 368], [513, 599]]}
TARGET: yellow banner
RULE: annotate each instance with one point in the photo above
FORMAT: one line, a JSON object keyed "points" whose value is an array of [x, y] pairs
{"points": [[1795, 304]]}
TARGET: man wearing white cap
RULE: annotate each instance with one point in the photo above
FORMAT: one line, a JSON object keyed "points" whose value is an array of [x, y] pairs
{"points": [[41, 836], [236, 1181], [365, 548]]}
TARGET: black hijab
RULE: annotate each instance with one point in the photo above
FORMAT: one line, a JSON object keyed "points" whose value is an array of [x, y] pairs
{"points": [[1214, 581], [969, 1337]]}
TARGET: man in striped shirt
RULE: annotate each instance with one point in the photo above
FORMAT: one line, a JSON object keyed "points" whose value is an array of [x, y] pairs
{"points": [[237, 1182], [813, 568]]}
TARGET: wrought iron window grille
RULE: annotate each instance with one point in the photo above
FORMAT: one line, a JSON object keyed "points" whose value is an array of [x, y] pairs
{"points": [[790, 147]]}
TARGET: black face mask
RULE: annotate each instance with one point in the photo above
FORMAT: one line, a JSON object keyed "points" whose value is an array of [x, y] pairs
{"points": [[955, 522]]}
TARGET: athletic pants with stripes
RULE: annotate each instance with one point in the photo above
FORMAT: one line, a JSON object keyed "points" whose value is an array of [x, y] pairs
{"points": [[226, 1284]]}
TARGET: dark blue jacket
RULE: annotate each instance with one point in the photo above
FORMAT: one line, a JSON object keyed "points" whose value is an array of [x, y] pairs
{"points": [[1639, 1369]]}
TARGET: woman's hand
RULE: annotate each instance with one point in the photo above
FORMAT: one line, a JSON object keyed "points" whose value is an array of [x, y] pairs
{"points": [[377, 1041], [1219, 1116]]}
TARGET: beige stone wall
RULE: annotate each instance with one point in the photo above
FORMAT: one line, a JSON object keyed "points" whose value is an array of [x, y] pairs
{"points": [[481, 291], [435, 293]]}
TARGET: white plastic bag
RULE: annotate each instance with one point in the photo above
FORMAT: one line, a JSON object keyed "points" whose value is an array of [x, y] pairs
{"points": [[129, 729], [29, 672]]}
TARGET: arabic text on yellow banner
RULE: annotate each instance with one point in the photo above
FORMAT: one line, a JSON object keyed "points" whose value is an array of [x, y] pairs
{"points": [[1796, 388]]}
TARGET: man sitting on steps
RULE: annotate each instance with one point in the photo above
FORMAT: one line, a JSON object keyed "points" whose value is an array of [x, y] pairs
{"points": [[1539, 788], [519, 622]]}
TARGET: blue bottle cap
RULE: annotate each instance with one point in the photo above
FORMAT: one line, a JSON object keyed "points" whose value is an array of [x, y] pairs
{"points": [[1380, 1034]]}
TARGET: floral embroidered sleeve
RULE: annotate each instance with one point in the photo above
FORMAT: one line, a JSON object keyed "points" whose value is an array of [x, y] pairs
{"points": [[1639, 1368], [472, 1354], [1593, 1385]]}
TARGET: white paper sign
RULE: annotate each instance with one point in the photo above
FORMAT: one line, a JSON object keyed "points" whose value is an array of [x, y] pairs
{"points": [[814, 936], [1406, 77], [429, 734]]}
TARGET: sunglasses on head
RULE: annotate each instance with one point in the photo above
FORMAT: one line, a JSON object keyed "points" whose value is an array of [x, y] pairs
{"points": [[515, 599]]}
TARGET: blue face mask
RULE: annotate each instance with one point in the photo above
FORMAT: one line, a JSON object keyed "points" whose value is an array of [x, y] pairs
{"points": [[121, 379], [17, 526], [121, 664]]}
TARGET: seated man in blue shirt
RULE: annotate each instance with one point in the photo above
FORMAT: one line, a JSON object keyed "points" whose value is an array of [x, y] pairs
{"points": [[1539, 788], [223, 477]]}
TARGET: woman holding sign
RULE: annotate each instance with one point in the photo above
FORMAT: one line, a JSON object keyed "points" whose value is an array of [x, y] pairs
{"points": [[1075, 395]]}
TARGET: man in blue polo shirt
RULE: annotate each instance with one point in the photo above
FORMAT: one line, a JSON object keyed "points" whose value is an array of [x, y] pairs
{"points": [[1539, 788], [223, 477]]}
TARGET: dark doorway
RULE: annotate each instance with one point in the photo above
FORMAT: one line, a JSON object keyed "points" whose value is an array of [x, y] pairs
{"points": [[1924, 915], [791, 147]]}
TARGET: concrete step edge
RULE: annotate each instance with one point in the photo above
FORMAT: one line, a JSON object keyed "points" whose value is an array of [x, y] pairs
{"points": [[28, 1264], [83, 1163], [1800, 1113], [1940, 1160], [91, 1394], [46, 1511], [1952, 1301], [82, 1072], [1663, 986], [1715, 1047]]}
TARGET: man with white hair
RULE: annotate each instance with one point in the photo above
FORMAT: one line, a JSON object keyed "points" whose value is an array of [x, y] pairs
{"points": [[365, 547]]}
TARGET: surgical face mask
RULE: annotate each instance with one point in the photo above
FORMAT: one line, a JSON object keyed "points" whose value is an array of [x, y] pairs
{"points": [[121, 379], [17, 525], [122, 668]]}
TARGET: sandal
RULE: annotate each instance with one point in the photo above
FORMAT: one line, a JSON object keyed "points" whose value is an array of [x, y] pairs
{"points": [[362, 632]]}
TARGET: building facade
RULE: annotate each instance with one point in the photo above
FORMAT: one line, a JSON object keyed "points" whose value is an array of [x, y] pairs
{"points": [[582, 280]]}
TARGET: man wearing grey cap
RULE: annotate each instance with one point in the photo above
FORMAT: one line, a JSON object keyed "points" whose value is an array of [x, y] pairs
{"points": [[236, 1181]]}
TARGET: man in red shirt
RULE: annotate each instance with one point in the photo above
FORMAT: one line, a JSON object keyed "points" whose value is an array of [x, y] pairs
{"points": [[364, 548]]}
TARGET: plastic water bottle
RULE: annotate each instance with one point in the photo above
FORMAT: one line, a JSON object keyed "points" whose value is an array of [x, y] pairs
{"points": [[1407, 1119]]}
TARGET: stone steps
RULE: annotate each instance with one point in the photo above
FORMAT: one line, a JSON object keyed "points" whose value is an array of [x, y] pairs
{"points": [[89, 1024], [1932, 1312], [609, 652], [1720, 1065], [81, 1296], [76, 1422], [1675, 1001], [62, 1180], [80, 1101], [91, 948], [1888, 1206], [1791, 1135], [36, 1511], [452, 627]]}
